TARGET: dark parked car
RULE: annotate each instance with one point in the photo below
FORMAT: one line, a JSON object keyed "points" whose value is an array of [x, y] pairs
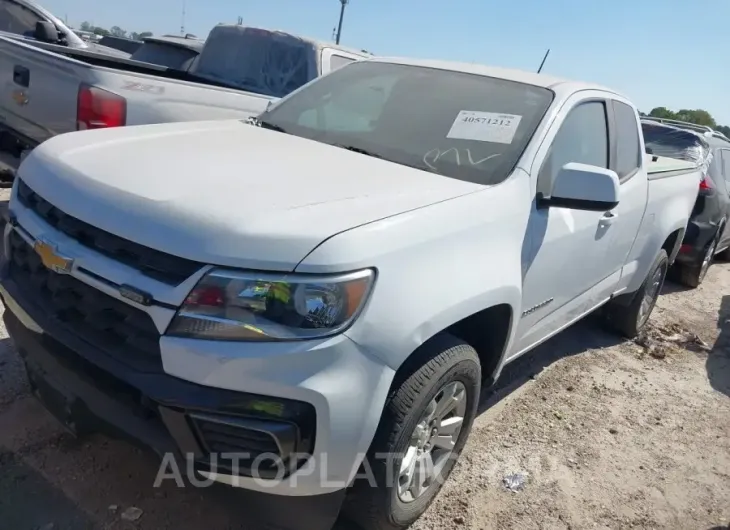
{"points": [[708, 231]]}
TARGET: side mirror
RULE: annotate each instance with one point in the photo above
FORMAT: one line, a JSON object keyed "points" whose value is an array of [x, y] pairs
{"points": [[45, 31], [583, 187]]}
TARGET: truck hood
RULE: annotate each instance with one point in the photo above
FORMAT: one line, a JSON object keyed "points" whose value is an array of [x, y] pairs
{"points": [[224, 192]]}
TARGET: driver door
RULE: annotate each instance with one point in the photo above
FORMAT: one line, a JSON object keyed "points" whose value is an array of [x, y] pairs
{"points": [[564, 268]]}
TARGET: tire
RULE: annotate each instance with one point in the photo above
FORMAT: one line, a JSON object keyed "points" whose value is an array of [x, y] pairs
{"points": [[629, 319], [443, 362], [724, 255], [692, 275]]}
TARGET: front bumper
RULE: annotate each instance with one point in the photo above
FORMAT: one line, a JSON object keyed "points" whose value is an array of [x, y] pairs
{"points": [[321, 400]]}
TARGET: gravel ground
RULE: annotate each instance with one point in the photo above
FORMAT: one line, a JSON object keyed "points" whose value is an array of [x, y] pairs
{"points": [[606, 434]]}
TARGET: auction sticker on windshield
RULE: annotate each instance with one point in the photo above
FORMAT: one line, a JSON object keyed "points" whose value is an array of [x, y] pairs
{"points": [[485, 126]]}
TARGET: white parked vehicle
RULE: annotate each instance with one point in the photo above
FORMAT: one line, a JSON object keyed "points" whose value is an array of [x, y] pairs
{"points": [[339, 281]]}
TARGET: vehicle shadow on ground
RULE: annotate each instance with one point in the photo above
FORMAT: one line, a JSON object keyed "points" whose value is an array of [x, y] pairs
{"points": [[587, 334], [671, 285], [28, 501], [718, 361]]}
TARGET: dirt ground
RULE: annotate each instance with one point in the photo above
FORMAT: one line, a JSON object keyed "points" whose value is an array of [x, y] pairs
{"points": [[605, 433]]}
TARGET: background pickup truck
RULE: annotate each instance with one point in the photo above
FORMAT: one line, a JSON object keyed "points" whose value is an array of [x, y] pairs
{"points": [[240, 70], [366, 255]]}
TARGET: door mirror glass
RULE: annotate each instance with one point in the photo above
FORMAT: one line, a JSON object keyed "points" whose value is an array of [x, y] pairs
{"points": [[584, 187], [45, 31]]}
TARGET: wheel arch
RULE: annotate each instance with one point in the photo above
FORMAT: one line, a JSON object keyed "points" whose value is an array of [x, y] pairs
{"points": [[673, 242], [489, 331]]}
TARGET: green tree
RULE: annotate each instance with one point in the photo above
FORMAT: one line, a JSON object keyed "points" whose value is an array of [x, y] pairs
{"points": [[86, 26], [139, 36], [101, 31], [116, 31], [698, 116], [663, 112]]}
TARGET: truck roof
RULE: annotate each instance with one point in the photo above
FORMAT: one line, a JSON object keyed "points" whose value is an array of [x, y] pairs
{"points": [[520, 76]]}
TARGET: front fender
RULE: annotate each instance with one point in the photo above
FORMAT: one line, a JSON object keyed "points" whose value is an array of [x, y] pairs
{"points": [[435, 266]]}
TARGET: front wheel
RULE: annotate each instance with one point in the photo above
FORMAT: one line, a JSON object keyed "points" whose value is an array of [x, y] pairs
{"points": [[630, 319], [424, 426]]}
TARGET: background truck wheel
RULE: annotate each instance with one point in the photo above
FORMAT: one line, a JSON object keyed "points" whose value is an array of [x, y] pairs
{"points": [[724, 255], [424, 426], [629, 319], [693, 275]]}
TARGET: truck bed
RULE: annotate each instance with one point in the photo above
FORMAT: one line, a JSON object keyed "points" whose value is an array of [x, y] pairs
{"points": [[39, 87], [124, 64]]}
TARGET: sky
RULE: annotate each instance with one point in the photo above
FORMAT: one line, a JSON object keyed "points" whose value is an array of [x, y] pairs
{"points": [[667, 53]]}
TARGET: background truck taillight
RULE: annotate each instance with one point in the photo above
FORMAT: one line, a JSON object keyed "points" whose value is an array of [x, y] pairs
{"points": [[98, 109], [706, 184]]}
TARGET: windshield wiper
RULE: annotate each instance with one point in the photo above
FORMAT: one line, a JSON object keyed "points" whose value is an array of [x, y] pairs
{"points": [[422, 167], [271, 126], [264, 124], [358, 150]]}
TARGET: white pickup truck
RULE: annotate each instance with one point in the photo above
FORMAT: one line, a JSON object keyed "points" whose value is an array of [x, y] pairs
{"points": [[290, 302], [48, 90]]}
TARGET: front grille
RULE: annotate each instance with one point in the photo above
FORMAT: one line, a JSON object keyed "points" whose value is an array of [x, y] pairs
{"points": [[160, 266], [122, 331]]}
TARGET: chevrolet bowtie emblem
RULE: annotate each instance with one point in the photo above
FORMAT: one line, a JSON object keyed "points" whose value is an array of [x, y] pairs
{"points": [[51, 258]]}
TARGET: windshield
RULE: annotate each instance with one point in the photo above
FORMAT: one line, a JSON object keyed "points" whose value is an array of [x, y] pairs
{"points": [[459, 125]]}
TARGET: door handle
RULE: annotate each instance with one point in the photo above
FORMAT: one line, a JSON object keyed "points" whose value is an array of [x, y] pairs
{"points": [[21, 75], [608, 218]]}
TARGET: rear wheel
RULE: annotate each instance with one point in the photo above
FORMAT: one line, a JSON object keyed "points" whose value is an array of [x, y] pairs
{"points": [[629, 319], [424, 426], [692, 275]]}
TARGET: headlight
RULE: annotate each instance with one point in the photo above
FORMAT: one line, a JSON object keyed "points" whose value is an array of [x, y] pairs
{"points": [[231, 305]]}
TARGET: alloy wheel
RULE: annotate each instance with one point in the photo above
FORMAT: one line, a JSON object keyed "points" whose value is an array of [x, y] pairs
{"points": [[432, 441]]}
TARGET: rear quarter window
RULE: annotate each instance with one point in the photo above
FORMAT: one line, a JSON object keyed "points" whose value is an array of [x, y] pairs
{"points": [[628, 143]]}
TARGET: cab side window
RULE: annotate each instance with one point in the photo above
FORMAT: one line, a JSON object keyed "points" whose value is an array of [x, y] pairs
{"points": [[628, 145], [15, 18], [582, 138]]}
